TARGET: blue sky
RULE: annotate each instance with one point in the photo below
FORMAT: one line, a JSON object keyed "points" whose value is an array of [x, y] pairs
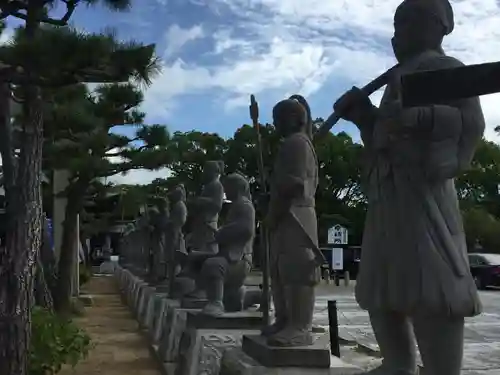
{"points": [[215, 53]]}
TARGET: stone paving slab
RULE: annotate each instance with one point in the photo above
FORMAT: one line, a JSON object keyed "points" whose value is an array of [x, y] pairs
{"points": [[482, 333]]}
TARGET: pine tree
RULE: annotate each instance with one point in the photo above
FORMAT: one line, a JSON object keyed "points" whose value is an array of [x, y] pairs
{"points": [[79, 139], [45, 54]]}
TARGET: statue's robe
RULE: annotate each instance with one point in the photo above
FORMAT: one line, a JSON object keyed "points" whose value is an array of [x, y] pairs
{"points": [[414, 255], [294, 236], [178, 217], [209, 204]]}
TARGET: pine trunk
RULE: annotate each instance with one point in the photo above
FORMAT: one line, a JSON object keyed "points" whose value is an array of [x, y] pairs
{"points": [[18, 258], [43, 296]]}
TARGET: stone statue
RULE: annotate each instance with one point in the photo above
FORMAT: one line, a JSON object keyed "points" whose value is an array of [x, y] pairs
{"points": [[413, 218], [207, 207], [144, 242], [224, 274], [178, 216], [291, 219], [159, 218]]}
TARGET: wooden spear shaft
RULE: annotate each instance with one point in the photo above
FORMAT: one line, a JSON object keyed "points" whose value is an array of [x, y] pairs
{"points": [[264, 233]]}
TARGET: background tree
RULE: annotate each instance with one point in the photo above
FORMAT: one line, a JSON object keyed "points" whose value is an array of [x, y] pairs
{"points": [[81, 138], [53, 56], [479, 194], [190, 151], [339, 198]]}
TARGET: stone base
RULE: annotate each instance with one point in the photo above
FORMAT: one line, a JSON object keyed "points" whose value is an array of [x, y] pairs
{"points": [[166, 368], [236, 362], [193, 303], [316, 355], [233, 320], [201, 350]]}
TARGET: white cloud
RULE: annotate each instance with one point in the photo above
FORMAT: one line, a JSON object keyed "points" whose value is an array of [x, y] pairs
{"points": [[176, 37], [291, 46], [139, 176], [135, 176]]}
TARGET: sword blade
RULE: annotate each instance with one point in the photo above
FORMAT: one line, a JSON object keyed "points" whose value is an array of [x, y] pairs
{"points": [[445, 85]]}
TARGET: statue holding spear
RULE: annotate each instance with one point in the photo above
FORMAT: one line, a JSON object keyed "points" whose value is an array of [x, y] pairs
{"points": [[292, 225]]}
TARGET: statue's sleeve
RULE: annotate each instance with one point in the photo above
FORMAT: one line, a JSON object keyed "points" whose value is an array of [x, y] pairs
{"points": [[294, 157], [241, 229], [452, 130], [366, 125]]}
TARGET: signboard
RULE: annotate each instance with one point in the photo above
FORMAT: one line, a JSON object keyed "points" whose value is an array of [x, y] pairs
{"points": [[337, 235], [337, 258]]}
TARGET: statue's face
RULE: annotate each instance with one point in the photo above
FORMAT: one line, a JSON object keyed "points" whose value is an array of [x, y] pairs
{"points": [[280, 122], [415, 31], [287, 117], [177, 195], [210, 172]]}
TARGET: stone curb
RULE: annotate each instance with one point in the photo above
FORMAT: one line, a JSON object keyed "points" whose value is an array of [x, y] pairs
{"points": [[142, 300]]}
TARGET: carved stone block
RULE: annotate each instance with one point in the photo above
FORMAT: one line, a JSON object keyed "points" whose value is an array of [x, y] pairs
{"points": [[174, 326], [201, 350], [147, 306], [236, 362], [314, 356]]}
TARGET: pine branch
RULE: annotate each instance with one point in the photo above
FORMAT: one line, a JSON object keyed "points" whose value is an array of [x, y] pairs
{"points": [[16, 9], [10, 8]]}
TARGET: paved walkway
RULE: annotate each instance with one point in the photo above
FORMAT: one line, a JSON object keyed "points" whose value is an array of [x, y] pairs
{"points": [[119, 348], [482, 333]]}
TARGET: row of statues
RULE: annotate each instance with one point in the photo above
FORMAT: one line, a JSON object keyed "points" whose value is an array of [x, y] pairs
{"points": [[213, 266], [413, 156]]}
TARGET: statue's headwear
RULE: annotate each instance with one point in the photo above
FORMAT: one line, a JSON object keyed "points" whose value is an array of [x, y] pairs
{"points": [[217, 164], [308, 120], [240, 181], [441, 9], [297, 104]]}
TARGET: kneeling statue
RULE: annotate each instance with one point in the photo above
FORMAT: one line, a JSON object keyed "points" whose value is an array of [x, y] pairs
{"points": [[224, 274]]}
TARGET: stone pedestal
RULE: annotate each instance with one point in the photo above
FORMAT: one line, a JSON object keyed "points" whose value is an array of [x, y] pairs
{"points": [[316, 355], [233, 320], [236, 362], [146, 306], [201, 350], [192, 343], [174, 326]]}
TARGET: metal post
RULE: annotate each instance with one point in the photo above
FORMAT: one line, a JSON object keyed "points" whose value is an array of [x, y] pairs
{"points": [[334, 328]]}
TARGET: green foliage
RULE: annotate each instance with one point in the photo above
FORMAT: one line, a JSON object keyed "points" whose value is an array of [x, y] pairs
{"points": [[82, 132], [482, 229], [54, 342], [64, 55], [339, 198]]}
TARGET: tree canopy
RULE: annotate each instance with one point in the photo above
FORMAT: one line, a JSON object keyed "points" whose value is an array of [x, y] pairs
{"points": [[340, 198]]}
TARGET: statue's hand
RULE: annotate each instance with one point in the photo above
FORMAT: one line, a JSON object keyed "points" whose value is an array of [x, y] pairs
{"points": [[354, 106], [401, 121]]}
